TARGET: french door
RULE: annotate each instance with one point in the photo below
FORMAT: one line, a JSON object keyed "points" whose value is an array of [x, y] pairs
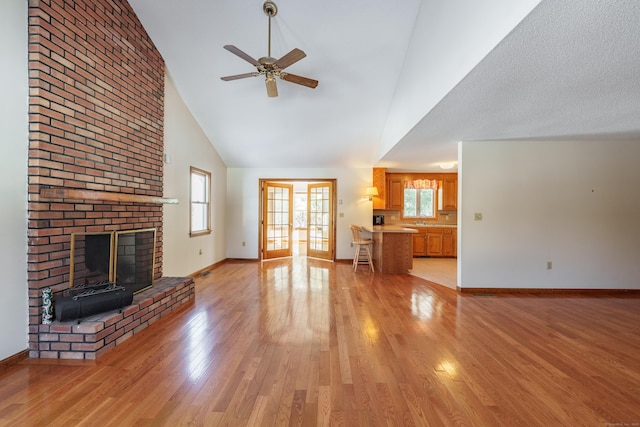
{"points": [[277, 220], [320, 222]]}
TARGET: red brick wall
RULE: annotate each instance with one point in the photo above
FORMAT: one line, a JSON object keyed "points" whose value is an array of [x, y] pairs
{"points": [[96, 122]]}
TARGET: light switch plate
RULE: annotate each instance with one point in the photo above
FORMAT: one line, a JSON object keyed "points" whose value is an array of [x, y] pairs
{"points": [[477, 216]]}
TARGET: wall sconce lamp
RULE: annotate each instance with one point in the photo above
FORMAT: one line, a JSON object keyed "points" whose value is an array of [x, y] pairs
{"points": [[371, 191]]}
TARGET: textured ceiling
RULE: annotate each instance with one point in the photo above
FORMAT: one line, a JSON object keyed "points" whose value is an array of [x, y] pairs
{"points": [[569, 69]]}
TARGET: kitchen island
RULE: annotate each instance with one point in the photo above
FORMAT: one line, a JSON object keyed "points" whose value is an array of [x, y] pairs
{"points": [[392, 248]]}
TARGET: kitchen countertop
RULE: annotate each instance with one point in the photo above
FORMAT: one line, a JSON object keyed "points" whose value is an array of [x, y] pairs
{"points": [[388, 229], [430, 225]]}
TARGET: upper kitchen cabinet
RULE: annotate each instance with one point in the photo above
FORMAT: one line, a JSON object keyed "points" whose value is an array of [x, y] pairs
{"points": [[395, 190], [390, 190], [450, 191], [379, 181]]}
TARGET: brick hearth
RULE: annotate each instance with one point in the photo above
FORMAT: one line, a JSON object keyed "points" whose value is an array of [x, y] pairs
{"points": [[93, 336]]}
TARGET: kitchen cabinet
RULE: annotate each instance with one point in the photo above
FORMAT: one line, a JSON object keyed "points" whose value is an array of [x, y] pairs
{"points": [[420, 243], [390, 190], [450, 192], [395, 191], [448, 242], [380, 182], [435, 241]]}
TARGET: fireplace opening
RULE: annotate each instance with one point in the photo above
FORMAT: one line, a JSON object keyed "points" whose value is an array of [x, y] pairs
{"points": [[125, 258], [90, 258]]}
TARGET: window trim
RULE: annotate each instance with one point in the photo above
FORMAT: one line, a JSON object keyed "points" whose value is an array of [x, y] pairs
{"points": [[207, 175]]}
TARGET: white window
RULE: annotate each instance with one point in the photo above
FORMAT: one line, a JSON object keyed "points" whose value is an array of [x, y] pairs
{"points": [[420, 199], [419, 203], [200, 202]]}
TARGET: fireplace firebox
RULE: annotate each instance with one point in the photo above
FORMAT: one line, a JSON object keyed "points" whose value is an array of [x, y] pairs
{"points": [[125, 258]]}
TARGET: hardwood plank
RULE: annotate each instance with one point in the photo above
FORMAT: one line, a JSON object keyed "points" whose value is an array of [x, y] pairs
{"points": [[298, 408], [307, 342]]}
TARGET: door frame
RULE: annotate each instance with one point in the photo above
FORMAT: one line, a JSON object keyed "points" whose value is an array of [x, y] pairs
{"points": [[333, 213]]}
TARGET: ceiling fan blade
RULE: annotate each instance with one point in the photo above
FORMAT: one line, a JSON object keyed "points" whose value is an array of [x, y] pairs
{"points": [[290, 58], [231, 48], [299, 80], [272, 89], [240, 76]]}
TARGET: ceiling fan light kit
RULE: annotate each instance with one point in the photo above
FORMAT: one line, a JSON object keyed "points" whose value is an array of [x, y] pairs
{"points": [[271, 67]]}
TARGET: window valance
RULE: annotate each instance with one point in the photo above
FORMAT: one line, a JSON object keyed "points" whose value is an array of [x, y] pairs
{"points": [[421, 184]]}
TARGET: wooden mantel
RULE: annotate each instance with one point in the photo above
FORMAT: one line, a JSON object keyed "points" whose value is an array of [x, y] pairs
{"points": [[104, 196]]}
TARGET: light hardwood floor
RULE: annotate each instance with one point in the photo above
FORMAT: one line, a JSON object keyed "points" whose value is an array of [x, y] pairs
{"points": [[307, 342], [441, 271]]}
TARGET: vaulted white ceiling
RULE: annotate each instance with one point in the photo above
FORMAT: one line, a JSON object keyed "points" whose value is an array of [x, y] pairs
{"points": [[402, 82]]}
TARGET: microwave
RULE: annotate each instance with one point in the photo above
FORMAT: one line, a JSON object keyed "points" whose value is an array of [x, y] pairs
{"points": [[378, 220]]}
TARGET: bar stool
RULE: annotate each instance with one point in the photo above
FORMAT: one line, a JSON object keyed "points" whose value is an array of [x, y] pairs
{"points": [[363, 248]]}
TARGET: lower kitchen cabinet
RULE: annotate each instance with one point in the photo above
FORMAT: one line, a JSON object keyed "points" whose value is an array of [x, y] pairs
{"points": [[435, 241], [419, 243], [449, 242]]}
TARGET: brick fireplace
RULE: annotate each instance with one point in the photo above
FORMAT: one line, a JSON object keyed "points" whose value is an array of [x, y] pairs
{"points": [[96, 102]]}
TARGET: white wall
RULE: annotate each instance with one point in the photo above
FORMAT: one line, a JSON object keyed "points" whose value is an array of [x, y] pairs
{"points": [[242, 205], [449, 39], [187, 146], [13, 177], [573, 203]]}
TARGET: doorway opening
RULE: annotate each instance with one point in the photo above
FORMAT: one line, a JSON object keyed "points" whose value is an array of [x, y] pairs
{"points": [[297, 218], [300, 230]]}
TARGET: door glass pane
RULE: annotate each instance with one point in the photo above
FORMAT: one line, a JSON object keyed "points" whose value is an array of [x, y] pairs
{"points": [[277, 227], [319, 219]]}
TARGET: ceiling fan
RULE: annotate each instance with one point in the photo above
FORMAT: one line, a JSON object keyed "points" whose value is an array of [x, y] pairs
{"points": [[271, 67]]}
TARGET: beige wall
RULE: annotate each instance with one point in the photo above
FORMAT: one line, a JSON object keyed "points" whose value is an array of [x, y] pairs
{"points": [[13, 177], [573, 203], [242, 204], [186, 145]]}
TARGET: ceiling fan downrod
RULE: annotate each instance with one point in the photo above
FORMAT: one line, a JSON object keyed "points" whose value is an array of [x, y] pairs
{"points": [[271, 10]]}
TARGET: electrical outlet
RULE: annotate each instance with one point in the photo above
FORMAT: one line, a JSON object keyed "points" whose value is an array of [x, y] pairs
{"points": [[244, 243], [341, 214], [549, 265]]}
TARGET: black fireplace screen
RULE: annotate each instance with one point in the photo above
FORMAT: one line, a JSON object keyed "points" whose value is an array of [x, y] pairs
{"points": [[123, 257], [135, 251], [90, 258]]}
